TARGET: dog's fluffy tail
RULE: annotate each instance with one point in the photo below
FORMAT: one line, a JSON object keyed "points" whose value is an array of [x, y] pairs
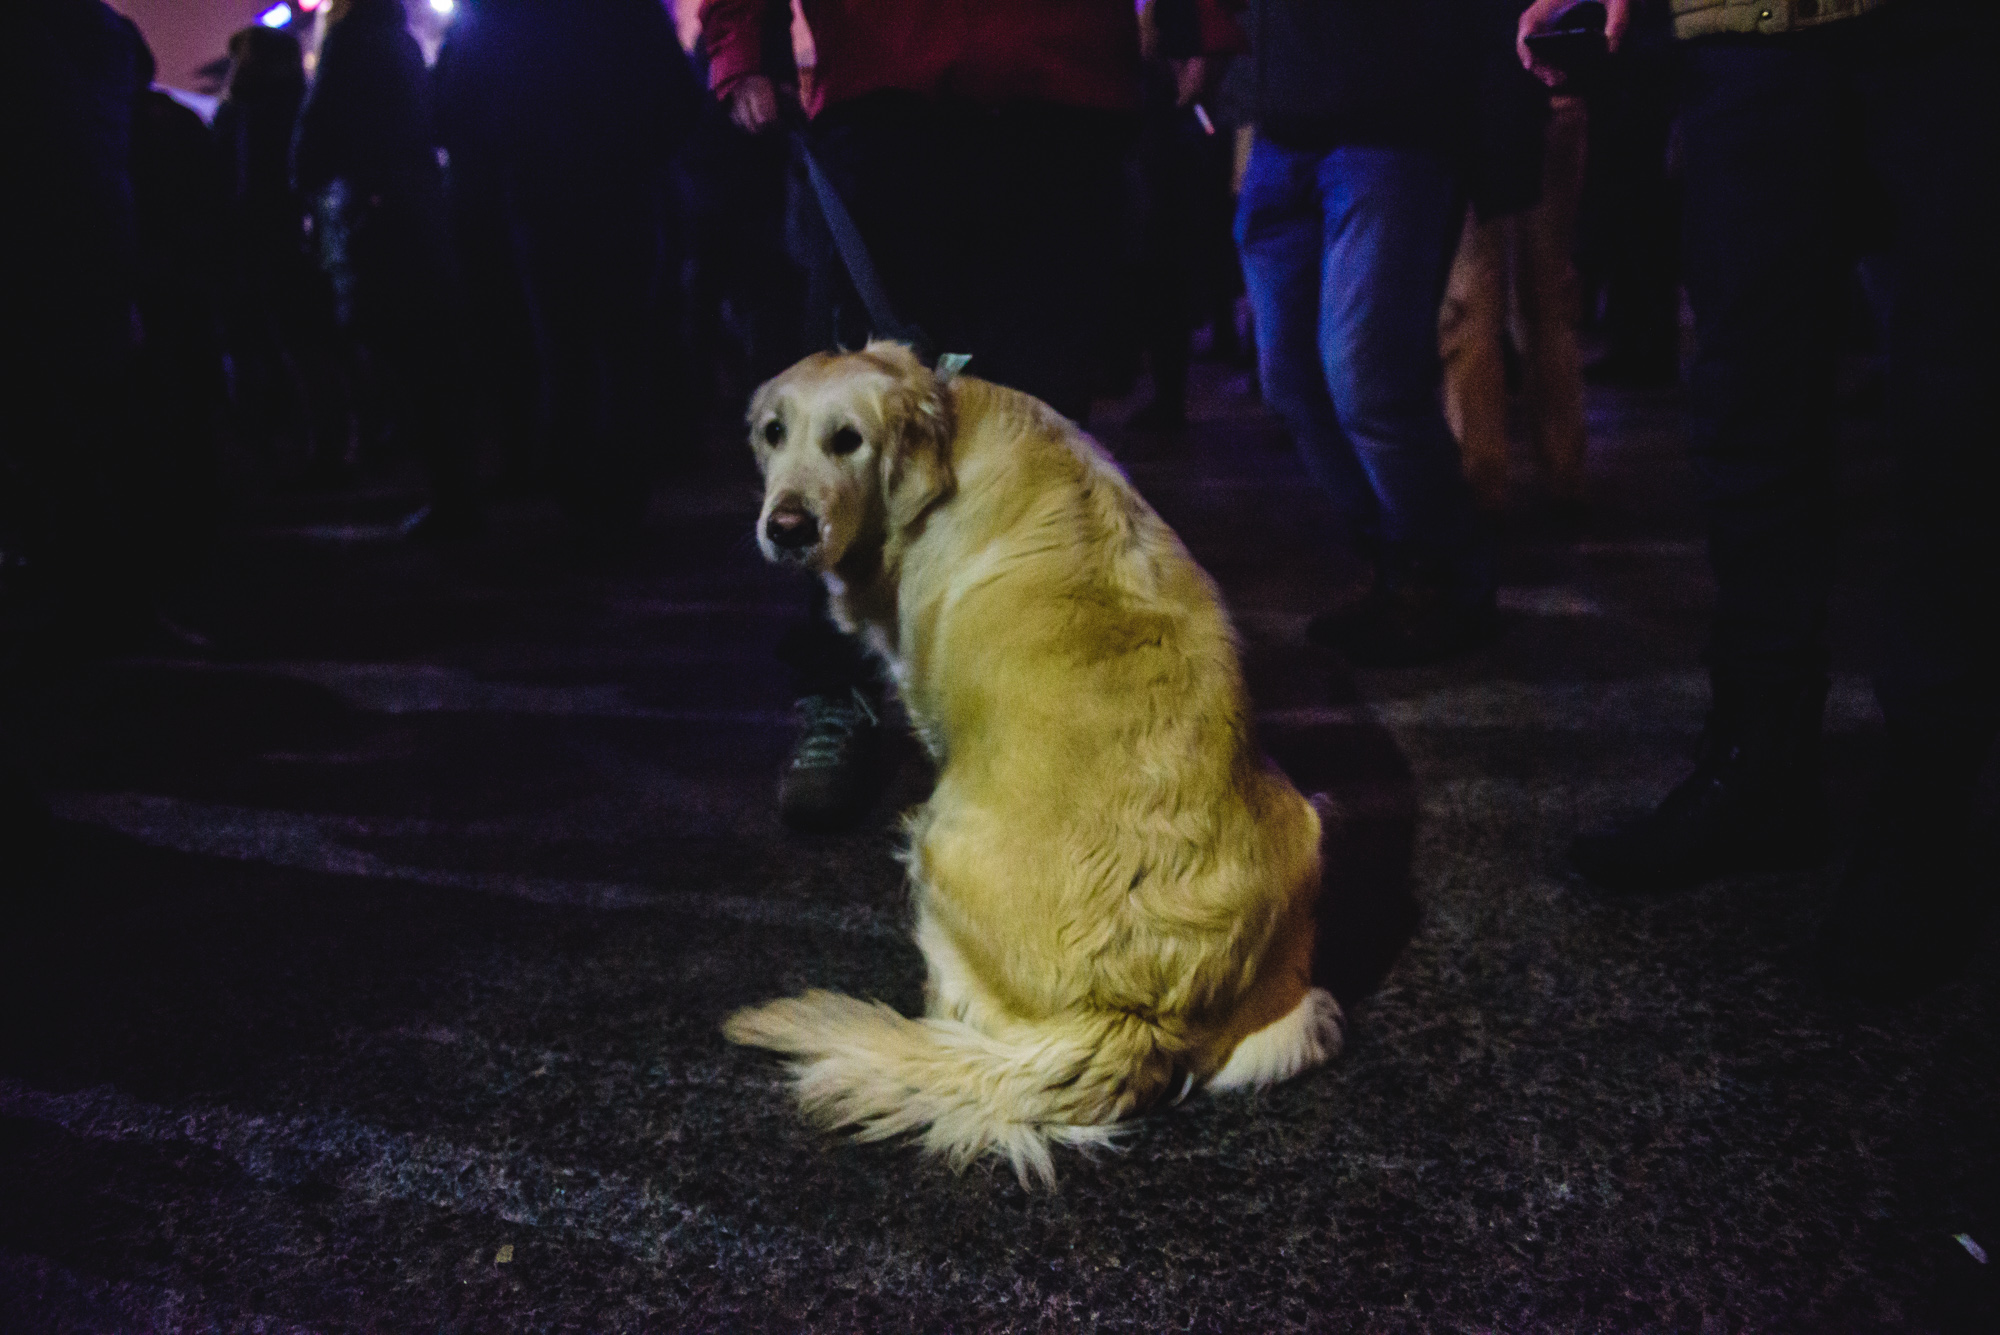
{"points": [[966, 1093]]}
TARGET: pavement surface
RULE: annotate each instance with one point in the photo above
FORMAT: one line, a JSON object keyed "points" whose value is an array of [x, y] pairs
{"points": [[375, 981]]}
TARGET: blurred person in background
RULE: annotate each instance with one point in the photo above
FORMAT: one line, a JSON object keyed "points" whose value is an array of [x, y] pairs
{"points": [[70, 302], [279, 313], [109, 291], [1793, 112], [180, 389], [1375, 124], [365, 155], [71, 578], [561, 123], [979, 146]]}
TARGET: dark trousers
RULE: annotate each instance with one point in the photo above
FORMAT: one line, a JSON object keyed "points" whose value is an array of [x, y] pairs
{"points": [[1782, 138], [1345, 256], [396, 294], [1631, 208], [995, 230]]}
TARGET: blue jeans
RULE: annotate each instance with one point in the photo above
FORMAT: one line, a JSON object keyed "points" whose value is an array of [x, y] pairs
{"points": [[1345, 255]]}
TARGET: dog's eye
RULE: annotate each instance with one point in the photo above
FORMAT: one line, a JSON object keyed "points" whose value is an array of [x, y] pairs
{"points": [[774, 432], [845, 441]]}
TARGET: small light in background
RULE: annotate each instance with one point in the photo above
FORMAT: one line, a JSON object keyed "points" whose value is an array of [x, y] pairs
{"points": [[277, 16], [443, 8], [308, 6]]}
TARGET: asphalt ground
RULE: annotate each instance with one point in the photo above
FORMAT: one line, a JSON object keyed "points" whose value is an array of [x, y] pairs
{"points": [[375, 978]]}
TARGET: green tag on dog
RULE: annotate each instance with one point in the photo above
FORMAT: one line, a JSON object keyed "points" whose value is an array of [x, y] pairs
{"points": [[950, 364]]}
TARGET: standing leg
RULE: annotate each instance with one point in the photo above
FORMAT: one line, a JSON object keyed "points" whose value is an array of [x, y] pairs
{"points": [[1633, 211], [836, 771], [1768, 133], [1037, 294], [418, 334], [1279, 231], [1390, 219]]}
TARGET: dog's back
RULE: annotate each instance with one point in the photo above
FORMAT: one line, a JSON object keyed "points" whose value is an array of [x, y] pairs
{"points": [[1080, 667]]}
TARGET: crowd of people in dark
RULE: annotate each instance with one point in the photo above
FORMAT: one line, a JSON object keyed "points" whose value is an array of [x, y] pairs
{"points": [[554, 259]]}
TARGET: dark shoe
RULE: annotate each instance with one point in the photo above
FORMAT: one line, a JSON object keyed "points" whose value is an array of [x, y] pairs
{"points": [[1753, 803], [836, 771], [1902, 923], [1407, 621]]}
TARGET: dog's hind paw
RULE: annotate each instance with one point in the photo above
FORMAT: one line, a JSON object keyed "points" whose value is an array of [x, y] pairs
{"points": [[1311, 1034]]}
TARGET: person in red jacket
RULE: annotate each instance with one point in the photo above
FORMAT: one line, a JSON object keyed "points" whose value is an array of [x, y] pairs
{"points": [[979, 146]]}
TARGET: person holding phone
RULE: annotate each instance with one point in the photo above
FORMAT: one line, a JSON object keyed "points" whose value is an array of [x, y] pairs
{"points": [[1794, 110]]}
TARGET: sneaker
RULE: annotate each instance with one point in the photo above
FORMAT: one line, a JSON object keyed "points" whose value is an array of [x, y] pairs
{"points": [[1719, 821], [836, 772]]}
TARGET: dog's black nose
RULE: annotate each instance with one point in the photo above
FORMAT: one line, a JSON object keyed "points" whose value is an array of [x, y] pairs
{"points": [[791, 530]]}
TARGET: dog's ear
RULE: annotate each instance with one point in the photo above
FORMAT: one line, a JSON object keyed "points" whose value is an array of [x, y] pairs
{"points": [[916, 459]]}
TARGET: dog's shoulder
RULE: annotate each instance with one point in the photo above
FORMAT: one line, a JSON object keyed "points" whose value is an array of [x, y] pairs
{"points": [[1013, 446], [1043, 508]]}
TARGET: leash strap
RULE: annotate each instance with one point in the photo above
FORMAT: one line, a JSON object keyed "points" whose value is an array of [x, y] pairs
{"points": [[854, 255]]}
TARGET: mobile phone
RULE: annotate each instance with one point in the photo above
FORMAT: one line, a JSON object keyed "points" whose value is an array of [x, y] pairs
{"points": [[1574, 42]]}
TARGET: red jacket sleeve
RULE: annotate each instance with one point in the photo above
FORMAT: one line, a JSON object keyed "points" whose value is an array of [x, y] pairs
{"points": [[1221, 34], [733, 32]]}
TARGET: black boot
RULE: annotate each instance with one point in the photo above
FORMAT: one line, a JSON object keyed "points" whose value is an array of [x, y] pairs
{"points": [[1753, 803], [1908, 912]]}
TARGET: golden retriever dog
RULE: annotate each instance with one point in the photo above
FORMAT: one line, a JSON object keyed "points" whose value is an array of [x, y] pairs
{"points": [[1114, 890]]}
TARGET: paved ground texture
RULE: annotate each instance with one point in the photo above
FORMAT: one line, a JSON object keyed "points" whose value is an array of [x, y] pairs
{"points": [[376, 982]]}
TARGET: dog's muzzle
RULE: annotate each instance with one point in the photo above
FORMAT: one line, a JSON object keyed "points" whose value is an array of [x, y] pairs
{"points": [[792, 532]]}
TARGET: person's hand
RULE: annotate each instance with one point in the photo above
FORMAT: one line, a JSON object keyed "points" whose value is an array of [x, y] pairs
{"points": [[753, 104], [1617, 13], [1190, 79]]}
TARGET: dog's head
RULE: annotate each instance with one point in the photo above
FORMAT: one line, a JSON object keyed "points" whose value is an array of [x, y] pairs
{"points": [[853, 447]]}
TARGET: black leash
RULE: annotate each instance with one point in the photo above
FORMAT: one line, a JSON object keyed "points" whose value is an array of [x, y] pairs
{"points": [[854, 255], [861, 268]]}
